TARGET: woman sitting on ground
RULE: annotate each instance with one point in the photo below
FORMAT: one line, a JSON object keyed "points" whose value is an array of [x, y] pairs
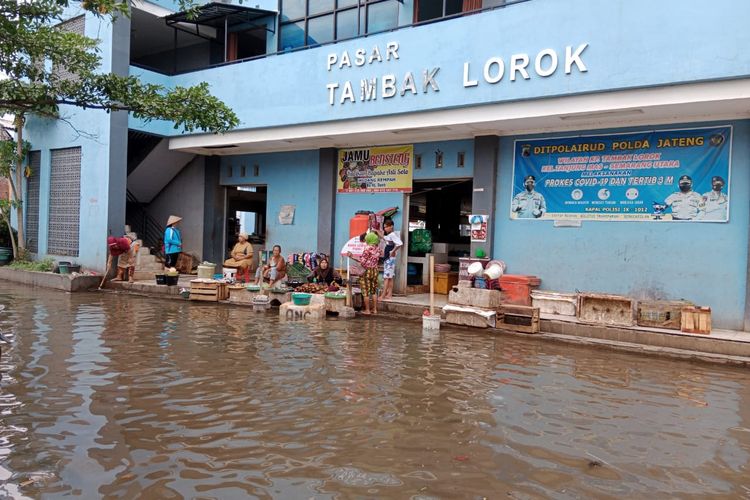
{"points": [[274, 270], [324, 273], [241, 257]]}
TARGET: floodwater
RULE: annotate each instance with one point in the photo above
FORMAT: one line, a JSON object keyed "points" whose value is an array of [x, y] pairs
{"points": [[106, 395]]}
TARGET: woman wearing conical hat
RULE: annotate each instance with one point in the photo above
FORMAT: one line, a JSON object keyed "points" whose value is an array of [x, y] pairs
{"points": [[172, 241]]}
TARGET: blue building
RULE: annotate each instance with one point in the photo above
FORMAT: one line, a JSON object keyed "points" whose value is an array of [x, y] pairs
{"points": [[606, 106]]}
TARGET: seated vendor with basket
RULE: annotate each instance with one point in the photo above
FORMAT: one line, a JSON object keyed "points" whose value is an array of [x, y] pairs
{"points": [[241, 257], [274, 270]]}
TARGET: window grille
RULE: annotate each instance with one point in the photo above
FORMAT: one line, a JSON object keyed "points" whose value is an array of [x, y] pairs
{"points": [[64, 202], [32, 202]]}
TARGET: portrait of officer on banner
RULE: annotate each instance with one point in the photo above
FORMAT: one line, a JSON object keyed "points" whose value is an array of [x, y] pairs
{"points": [[716, 202], [528, 204], [686, 204]]}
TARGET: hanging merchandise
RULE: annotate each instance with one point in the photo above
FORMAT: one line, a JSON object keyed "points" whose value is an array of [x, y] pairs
{"points": [[420, 241]]}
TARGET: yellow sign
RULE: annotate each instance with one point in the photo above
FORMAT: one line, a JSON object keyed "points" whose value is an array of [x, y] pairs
{"points": [[382, 169]]}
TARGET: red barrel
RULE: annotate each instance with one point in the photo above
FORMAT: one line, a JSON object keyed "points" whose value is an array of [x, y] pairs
{"points": [[358, 224], [517, 288]]}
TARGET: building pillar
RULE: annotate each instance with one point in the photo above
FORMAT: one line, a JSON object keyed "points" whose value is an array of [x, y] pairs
{"points": [[484, 185], [213, 211], [327, 160], [118, 135]]}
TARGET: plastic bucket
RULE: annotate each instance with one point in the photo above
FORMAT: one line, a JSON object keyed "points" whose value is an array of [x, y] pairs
{"points": [[431, 322], [171, 279], [229, 272], [475, 269], [161, 279], [480, 283], [493, 271], [63, 267], [301, 299]]}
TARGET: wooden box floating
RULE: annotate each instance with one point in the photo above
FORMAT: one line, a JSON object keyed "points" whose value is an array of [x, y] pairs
{"points": [[208, 290], [518, 318], [605, 309], [696, 320], [661, 313]]}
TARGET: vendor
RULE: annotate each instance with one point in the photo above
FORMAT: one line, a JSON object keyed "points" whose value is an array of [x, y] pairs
{"points": [[274, 270], [324, 273], [241, 257]]}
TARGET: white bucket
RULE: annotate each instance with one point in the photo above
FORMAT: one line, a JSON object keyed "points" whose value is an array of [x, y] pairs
{"points": [[431, 322], [475, 269], [229, 272], [494, 271]]}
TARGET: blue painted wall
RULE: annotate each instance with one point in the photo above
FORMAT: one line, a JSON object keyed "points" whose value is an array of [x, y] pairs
{"points": [[91, 131], [704, 263], [632, 43], [292, 179]]}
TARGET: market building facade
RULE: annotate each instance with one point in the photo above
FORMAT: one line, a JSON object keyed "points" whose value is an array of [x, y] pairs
{"points": [[602, 146]]}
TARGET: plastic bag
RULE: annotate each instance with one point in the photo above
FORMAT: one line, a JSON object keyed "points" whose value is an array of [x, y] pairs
{"points": [[420, 241]]}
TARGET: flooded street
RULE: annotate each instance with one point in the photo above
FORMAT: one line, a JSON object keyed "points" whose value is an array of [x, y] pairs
{"points": [[114, 396]]}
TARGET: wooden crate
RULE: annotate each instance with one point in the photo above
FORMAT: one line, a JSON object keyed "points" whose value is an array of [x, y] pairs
{"points": [[518, 318], [212, 291], [661, 313], [444, 282], [605, 309], [696, 319]]}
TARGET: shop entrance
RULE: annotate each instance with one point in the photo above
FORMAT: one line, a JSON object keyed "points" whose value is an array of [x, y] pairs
{"points": [[438, 225], [246, 213]]}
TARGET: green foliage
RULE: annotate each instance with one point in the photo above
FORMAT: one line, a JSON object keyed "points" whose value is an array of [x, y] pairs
{"points": [[44, 265], [33, 51]]}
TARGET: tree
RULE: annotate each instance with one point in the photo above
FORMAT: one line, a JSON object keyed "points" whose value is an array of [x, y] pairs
{"points": [[48, 67]]}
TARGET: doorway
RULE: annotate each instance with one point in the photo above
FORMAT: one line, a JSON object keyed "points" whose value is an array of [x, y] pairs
{"points": [[246, 213], [438, 225]]}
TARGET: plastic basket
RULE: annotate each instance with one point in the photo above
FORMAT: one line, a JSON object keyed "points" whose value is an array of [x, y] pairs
{"points": [[298, 272], [301, 299]]}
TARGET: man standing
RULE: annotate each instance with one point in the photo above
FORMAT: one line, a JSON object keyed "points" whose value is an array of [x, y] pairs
{"points": [[528, 204], [686, 204], [717, 203]]}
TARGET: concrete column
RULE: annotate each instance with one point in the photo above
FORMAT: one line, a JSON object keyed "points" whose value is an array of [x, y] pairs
{"points": [[328, 159], [118, 134], [485, 182], [213, 213]]}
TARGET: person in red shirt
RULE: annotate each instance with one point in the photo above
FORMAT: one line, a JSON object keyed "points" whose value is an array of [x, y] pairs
{"points": [[115, 248], [368, 282]]}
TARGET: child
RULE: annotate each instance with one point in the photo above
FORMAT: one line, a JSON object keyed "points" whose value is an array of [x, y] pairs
{"points": [[393, 244], [368, 282]]}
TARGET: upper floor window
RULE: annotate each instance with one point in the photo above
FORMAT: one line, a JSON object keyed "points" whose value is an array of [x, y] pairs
{"points": [[313, 22], [425, 10]]}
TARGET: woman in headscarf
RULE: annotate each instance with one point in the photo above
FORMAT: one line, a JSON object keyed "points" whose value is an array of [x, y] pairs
{"points": [[172, 241], [241, 257], [324, 273]]}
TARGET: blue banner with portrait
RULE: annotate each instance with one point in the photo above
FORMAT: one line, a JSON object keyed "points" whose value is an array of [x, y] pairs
{"points": [[664, 175]]}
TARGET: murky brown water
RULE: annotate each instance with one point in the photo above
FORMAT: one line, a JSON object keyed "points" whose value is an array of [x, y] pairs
{"points": [[114, 396]]}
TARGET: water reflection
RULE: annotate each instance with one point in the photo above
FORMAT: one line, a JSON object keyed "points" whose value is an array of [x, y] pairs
{"points": [[117, 396]]}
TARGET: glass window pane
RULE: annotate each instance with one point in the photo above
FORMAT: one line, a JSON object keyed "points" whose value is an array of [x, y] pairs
{"points": [[346, 24], [320, 6], [292, 36], [382, 16], [292, 9], [453, 7], [346, 3], [320, 30], [429, 10]]}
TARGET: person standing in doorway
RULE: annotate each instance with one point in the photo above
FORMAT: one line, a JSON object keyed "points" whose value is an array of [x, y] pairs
{"points": [[172, 241], [393, 244]]}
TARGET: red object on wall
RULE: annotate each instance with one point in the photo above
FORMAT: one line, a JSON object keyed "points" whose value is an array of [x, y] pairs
{"points": [[358, 224], [517, 288]]}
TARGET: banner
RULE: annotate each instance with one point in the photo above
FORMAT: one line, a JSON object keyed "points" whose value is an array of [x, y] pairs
{"points": [[666, 175], [382, 169], [478, 228]]}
